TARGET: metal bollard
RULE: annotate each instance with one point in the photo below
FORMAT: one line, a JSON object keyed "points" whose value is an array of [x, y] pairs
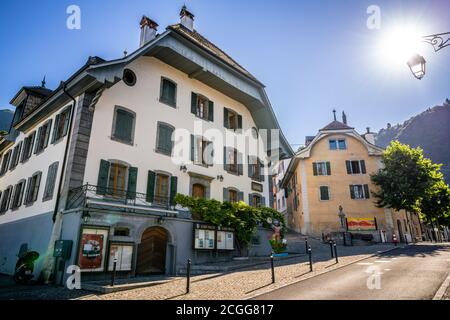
{"points": [[310, 259], [335, 252], [406, 239], [306, 245], [188, 276], [273, 270], [331, 248], [113, 278]]}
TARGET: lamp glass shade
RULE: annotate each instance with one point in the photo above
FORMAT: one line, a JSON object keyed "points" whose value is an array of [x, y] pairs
{"points": [[417, 66]]}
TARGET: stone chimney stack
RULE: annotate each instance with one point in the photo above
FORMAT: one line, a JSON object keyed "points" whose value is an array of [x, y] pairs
{"points": [[187, 19], [369, 136], [148, 30], [344, 118]]}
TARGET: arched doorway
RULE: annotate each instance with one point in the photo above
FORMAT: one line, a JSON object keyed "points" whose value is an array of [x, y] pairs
{"points": [[151, 257]]}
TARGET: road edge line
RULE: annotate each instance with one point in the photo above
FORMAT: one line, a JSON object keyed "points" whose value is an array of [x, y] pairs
{"points": [[442, 289], [326, 271]]}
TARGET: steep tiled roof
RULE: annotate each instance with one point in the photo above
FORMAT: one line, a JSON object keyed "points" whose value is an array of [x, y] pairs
{"points": [[39, 90], [201, 41], [336, 125]]}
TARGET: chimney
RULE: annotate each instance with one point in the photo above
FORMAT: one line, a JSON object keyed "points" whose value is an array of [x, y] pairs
{"points": [[187, 19], [369, 136], [344, 118], [148, 30]]}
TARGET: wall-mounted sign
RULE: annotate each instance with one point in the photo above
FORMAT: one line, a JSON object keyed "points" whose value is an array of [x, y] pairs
{"points": [[91, 257], [123, 252], [257, 187], [209, 237], [361, 224]]}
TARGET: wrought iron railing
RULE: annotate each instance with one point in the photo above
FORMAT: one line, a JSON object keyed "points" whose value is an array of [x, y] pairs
{"points": [[78, 197]]}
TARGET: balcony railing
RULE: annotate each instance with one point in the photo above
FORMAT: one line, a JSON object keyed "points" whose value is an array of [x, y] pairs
{"points": [[79, 197]]}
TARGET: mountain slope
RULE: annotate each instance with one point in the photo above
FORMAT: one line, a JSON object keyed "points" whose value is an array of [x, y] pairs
{"points": [[5, 119], [430, 130]]}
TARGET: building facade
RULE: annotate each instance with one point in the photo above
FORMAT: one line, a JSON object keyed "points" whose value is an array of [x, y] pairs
{"points": [[279, 202], [130, 134], [330, 191]]}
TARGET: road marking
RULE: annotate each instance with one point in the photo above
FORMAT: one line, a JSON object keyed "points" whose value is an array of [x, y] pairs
{"points": [[364, 263], [382, 261]]}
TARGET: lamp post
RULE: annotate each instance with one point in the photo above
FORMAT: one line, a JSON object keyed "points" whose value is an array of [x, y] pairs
{"points": [[417, 63]]}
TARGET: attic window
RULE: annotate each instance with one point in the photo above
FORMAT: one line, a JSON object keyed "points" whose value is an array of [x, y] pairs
{"points": [[129, 77]]}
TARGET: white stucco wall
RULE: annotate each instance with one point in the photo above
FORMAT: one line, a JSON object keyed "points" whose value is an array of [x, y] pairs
{"points": [[143, 99]]}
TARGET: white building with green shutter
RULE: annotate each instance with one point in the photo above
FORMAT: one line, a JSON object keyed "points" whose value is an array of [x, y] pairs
{"points": [[107, 151]]}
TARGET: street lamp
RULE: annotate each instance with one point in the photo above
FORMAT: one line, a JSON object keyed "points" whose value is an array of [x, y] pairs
{"points": [[417, 66]]}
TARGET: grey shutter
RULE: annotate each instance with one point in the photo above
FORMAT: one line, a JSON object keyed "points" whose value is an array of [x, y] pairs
{"points": [[225, 118], [103, 173], [151, 186], [173, 189], [225, 195], [349, 167], [192, 148], [250, 199], [314, 168], [240, 196], [263, 201], [55, 128], [352, 192], [366, 191], [19, 203], [210, 154], [66, 121], [36, 186], [193, 103], [47, 133], [38, 148], [225, 158], [239, 119], [363, 167], [324, 193], [132, 181], [50, 182], [250, 167], [210, 110], [329, 168], [240, 163], [261, 169], [28, 192]]}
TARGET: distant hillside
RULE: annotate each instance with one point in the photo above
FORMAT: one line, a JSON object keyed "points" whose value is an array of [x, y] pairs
{"points": [[5, 119], [430, 130]]}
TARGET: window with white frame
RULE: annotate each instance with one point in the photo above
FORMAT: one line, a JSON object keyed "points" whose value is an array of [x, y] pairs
{"points": [[359, 191]]}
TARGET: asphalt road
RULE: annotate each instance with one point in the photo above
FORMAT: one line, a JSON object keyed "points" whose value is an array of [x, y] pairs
{"points": [[412, 273]]}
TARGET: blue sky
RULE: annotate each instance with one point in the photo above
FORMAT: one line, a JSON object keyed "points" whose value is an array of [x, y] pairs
{"points": [[313, 56]]}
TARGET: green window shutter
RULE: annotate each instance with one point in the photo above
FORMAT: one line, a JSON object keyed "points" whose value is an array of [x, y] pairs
{"points": [[366, 191], [124, 125], [363, 167], [103, 173], [324, 194], [261, 170], [210, 110], [314, 168], [239, 126], [225, 158], [192, 148], [165, 142], [225, 195], [349, 167], [352, 192], [132, 181], [47, 133], [240, 196], [151, 186], [250, 167], [240, 164], [225, 118], [329, 168], [55, 128], [194, 103], [173, 189]]}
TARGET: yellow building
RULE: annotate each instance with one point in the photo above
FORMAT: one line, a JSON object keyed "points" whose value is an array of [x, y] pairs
{"points": [[328, 189]]}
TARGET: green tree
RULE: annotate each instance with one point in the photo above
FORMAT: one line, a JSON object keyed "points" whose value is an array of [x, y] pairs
{"points": [[435, 205], [407, 176]]}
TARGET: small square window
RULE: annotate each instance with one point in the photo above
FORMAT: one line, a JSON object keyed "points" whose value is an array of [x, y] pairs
{"points": [[333, 145], [324, 193], [342, 145]]}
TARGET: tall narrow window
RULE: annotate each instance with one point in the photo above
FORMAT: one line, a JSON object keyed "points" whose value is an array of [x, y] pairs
{"points": [[168, 92], [28, 147], [6, 196], [231, 161], [161, 189], [123, 126], [164, 138], [43, 136], [50, 183], [324, 193], [201, 151], [15, 156], [61, 125], [117, 179], [5, 162], [33, 188], [202, 107], [18, 194]]}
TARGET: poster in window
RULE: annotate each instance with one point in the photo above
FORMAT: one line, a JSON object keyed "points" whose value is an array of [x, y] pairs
{"points": [[91, 257], [204, 239], [124, 255], [225, 240]]}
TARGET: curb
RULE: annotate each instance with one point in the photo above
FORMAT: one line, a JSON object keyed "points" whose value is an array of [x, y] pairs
{"points": [[442, 289], [326, 271]]}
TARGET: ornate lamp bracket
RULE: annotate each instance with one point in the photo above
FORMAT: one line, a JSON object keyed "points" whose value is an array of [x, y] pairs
{"points": [[438, 41]]}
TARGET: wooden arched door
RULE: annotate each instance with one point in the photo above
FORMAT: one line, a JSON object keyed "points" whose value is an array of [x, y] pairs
{"points": [[151, 257]]}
